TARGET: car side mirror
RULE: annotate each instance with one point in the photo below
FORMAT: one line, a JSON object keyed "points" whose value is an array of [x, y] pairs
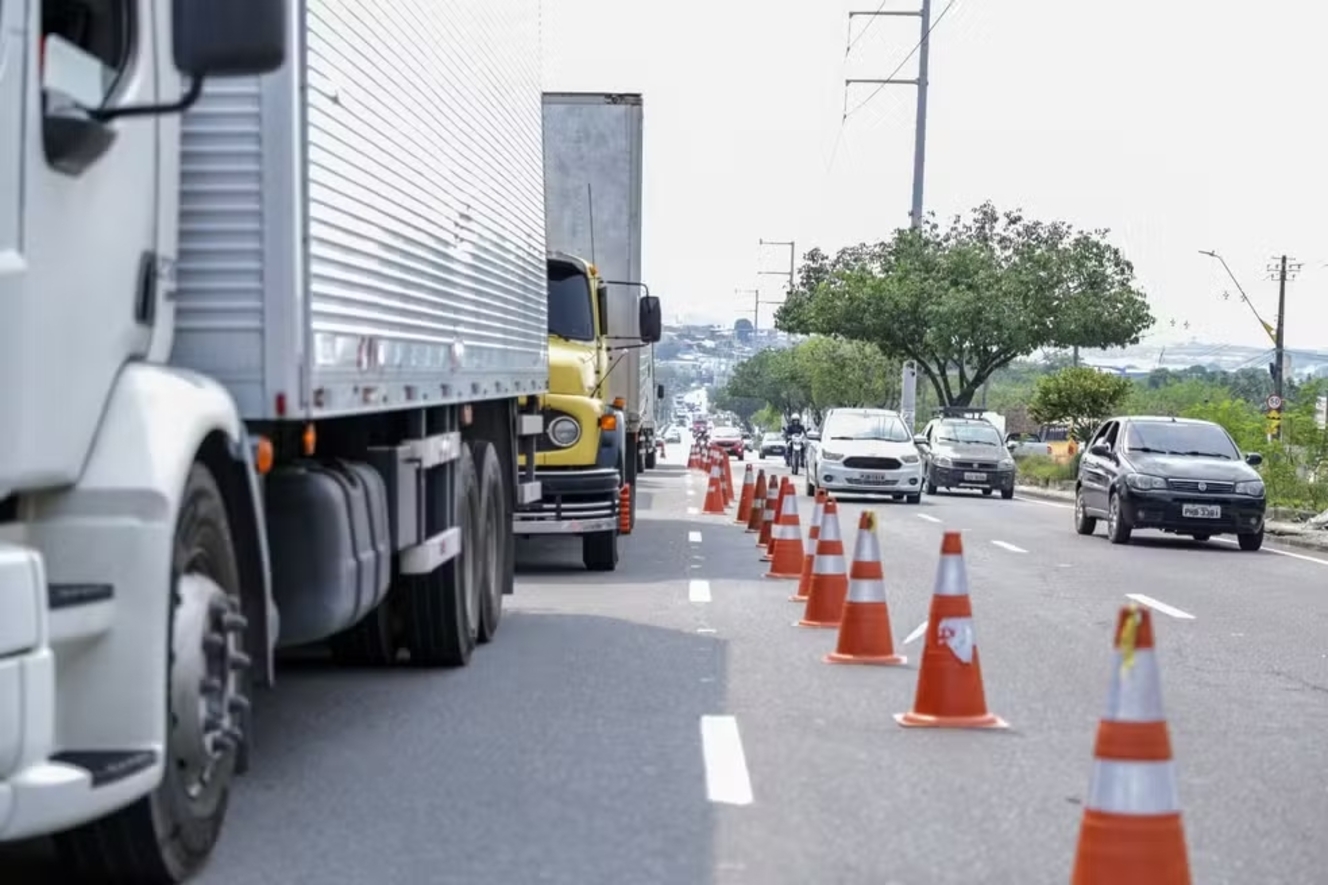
{"points": [[1011, 445], [813, 435], [651, 319], [1254, 459], [1102, 450], [228, 38], [920, 441]]}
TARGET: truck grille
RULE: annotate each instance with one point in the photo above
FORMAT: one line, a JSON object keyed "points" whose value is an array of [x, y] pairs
{"points": [[1202, 486], [865, 463], [570, 506]]}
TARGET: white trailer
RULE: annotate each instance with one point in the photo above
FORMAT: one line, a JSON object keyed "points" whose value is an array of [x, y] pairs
{"points": [[593, 144], [265, 372]]}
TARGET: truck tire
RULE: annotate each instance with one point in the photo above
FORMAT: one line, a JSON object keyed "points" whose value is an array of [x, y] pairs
{"points": [[370, 643], [441, 610], [599, 551], [495, 538], [652, 459], [163, 838]]}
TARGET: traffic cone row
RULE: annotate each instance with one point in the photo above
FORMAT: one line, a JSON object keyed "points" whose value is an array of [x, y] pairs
{"points": [[1131, 830]]}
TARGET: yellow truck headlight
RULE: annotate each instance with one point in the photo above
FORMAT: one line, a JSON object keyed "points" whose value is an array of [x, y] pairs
{"points": [[563, 432]]}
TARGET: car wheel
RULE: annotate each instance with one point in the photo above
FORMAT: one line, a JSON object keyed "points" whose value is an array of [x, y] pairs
{"points": [[1250, 542], [931, 486], [1201, 537], [1083, 523], [986, 493], [1118, 532], [913, 499], [1007, 494]]}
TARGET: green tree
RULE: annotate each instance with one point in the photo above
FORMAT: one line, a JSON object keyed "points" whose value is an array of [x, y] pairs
{"points": [[968, 299], [847, 373], [742, 406], [777, 378], [1078, 396]]}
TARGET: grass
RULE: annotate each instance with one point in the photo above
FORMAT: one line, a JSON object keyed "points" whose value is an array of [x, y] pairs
{"points": [[1039, 470]]}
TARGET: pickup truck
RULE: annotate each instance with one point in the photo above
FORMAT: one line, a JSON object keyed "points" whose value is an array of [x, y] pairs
{"points": [[1022, 445]]}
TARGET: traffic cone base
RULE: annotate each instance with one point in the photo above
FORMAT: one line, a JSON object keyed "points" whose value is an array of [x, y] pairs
{"points": [[918, 720], [865, 625]]}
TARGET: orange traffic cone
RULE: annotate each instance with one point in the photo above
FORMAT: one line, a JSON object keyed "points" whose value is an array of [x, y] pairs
{"points": [[785, 489], [864, 631], [805, 579], [829, 582], [768, 514], [757, 512], [950, 693], [745, 499], [726, 476], [714, 499], [1131, 830], [786, 562]]}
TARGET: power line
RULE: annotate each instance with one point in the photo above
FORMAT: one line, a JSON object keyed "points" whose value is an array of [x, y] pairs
{"points": [[912, 52], [854, 41]]}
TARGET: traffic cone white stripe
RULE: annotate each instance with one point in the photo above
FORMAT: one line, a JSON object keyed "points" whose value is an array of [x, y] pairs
{"points": [[1136, 690], [866, 548], [951, 577], [830, 529], [865, 589], [1134, 788], [829, 564], [786, 532]]}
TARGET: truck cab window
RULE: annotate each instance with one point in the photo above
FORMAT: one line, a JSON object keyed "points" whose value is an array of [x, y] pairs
{"points": [[571, 314], [86, 47]]}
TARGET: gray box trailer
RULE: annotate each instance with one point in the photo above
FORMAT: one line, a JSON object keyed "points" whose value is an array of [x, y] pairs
{"points": [[593, 171]]}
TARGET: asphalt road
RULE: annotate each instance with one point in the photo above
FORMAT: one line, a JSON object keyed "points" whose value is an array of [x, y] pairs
{"points": [[667, 723]]}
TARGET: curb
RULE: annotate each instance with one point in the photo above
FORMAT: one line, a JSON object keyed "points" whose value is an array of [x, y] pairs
{"points": [[1280, 532]]}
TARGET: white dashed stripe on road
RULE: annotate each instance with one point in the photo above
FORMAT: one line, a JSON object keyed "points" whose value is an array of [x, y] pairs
{"points": [[698, 590], [927, 516], [1159, 606], [1006, 545], [693, 511], [694, 537], [727, 781]]}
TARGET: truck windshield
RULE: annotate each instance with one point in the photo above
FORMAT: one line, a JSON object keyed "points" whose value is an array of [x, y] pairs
{"points": [[570, 313]]}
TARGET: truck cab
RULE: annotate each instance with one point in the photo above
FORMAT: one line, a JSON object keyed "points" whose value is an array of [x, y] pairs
{"points": [[584, 461]]}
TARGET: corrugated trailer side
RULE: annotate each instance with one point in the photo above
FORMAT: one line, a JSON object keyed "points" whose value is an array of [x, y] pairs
{"points": [[364, 230]]}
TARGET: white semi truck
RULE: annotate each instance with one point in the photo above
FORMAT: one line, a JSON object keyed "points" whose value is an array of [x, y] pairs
{"points": [[266, 368], [593, 146]]}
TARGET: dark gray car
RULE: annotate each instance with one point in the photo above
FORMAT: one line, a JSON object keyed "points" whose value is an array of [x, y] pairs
{"points": [[965, 453]]}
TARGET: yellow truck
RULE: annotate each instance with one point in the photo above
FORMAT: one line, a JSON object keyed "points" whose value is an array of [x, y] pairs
{"points": [[584, 460]]}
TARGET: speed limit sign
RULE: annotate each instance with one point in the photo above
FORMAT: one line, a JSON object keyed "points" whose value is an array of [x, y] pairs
{"points": [[1274, 402]]}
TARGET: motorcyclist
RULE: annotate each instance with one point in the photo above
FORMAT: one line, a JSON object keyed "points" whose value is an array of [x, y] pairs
{"points": [[793, 429]]}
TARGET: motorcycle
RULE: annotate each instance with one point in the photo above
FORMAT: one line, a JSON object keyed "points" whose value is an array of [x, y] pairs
{"points": [[796, 457]]}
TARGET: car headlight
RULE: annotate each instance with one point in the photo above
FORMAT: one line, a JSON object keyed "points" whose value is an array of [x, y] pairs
{"points": [[942, 461], [831, 456], [1254, 488], [564, 432], [1006, 463], [909, 459], [1144, 483]]}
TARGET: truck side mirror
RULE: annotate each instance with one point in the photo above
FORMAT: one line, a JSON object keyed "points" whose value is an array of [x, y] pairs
{"points": [[228, 38], [651, 319]]}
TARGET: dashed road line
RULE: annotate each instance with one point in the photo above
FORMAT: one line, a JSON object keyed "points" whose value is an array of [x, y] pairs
{"points": [[693, 511], [727, 780], [916, 634], [1006, 545], [927, 516], [698, 590], [694, 537], [1159, 606]]}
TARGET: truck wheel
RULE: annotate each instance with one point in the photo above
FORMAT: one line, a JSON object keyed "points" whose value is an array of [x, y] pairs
{"points": [[167, 835], [599, 551], [652, 459], [442, 609], [495, 538]]}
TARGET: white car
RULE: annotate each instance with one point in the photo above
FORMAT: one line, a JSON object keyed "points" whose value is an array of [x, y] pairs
{"points": [[865, 452]]}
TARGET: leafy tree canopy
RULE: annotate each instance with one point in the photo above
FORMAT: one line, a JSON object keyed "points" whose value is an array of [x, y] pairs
{"points": [[1078, 396], [966, 300], [816, 375], [774, 377]]}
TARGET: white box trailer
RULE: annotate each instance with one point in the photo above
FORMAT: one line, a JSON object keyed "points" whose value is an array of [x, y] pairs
{"points": [[265, 372], [593, 148]]}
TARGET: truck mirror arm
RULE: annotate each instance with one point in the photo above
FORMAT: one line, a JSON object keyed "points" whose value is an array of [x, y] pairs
{"points": [[185, 102]]}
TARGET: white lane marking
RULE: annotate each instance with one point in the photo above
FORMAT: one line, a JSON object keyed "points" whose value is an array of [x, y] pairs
{"points": [[1006, 545], [694, 537], [692, 511], [1162, 607], [691, 493], [727, 780], [926, 516], [698, 590], [1044, 502], [1300, 556], [917, 631], [706, 630]]}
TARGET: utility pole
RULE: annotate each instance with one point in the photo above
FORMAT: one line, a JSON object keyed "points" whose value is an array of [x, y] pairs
{"points": [[921, 82], [1281, 269], [790, 273]]}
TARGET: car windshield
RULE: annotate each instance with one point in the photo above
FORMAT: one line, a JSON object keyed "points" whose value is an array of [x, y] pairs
{"points": [[1175, 438], [727, 432], [774, 438], [969, 434], [887, 428]]}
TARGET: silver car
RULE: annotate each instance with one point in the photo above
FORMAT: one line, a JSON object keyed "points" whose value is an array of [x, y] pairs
{"points": [[966, 453]]}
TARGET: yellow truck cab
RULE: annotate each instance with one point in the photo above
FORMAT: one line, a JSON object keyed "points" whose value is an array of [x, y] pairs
{"points": [[581, 459]]}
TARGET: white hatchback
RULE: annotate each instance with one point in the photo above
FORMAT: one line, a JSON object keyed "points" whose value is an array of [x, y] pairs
{"points": [[865, 452]]}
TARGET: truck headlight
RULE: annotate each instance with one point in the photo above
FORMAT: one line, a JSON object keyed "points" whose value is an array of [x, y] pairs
{"points": [[563, 432]]}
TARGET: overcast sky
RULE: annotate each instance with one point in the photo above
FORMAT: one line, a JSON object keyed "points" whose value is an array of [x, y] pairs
{"points": [[1178, 124]]}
